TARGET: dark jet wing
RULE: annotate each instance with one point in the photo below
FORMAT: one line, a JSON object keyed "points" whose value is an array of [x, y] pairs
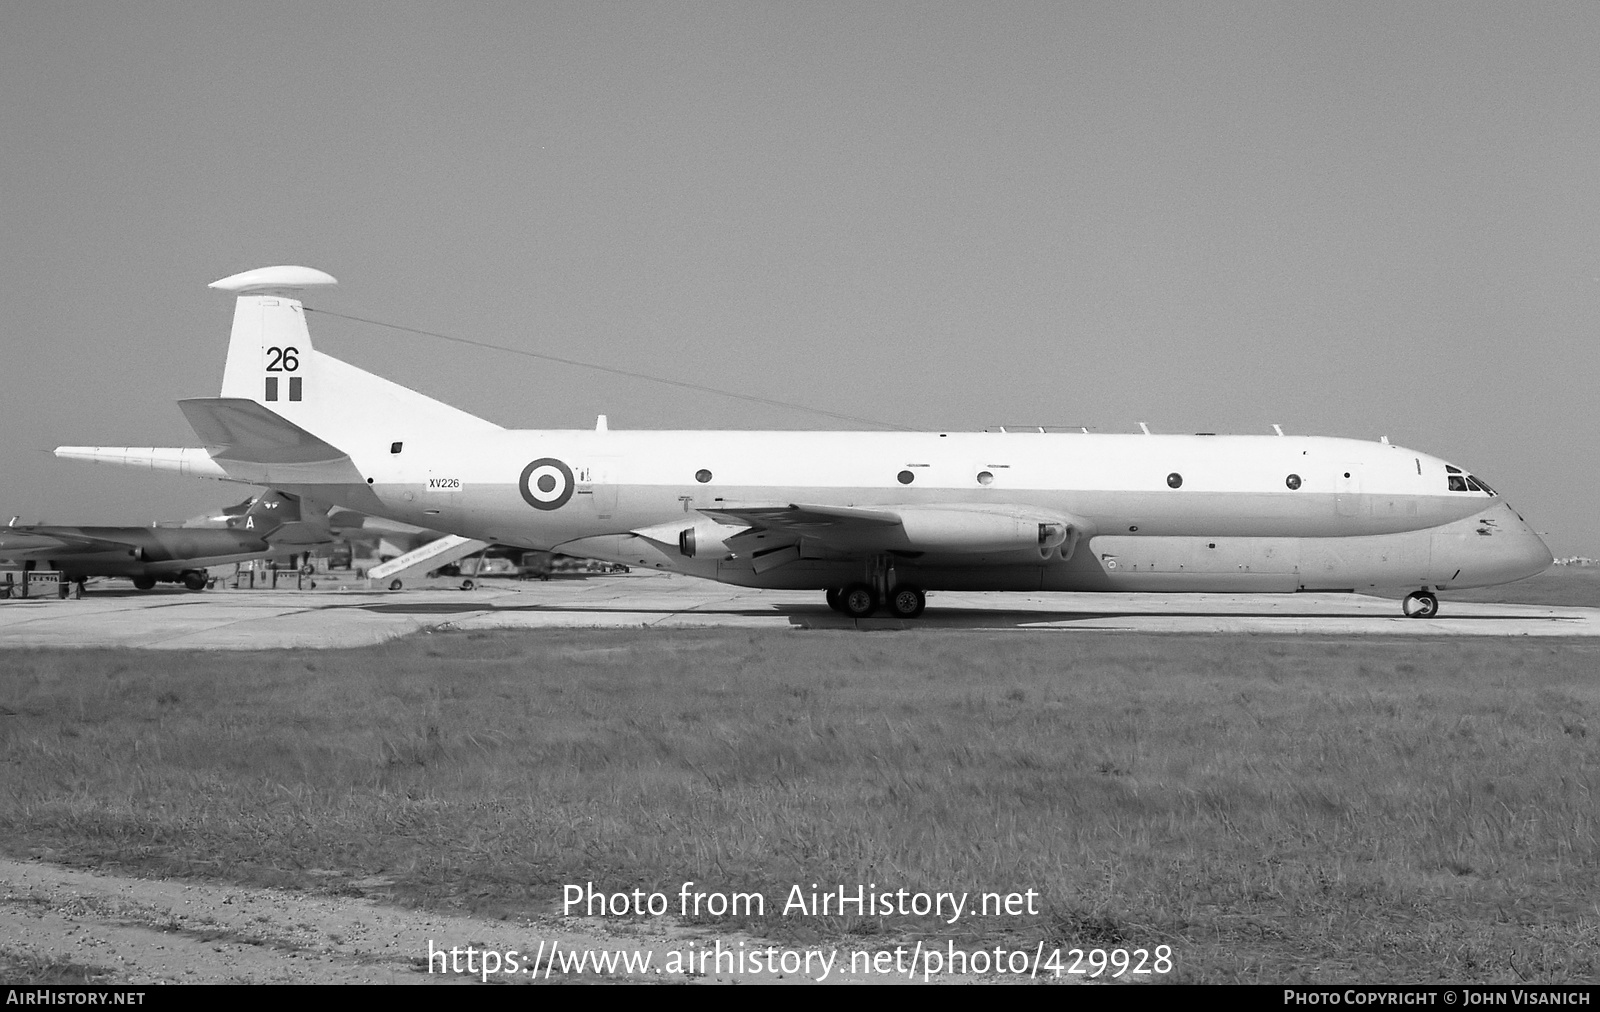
{"points": [[23, 543]]}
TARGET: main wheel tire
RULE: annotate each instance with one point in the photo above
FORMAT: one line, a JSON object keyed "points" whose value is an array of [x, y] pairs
{"points": [[1420, 604], [907, 602], [859, 600], [144, 582], [835, 599], [194, 579]]}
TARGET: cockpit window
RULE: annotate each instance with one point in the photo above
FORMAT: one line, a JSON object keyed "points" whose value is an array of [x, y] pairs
{"points": [[1460, 481]]}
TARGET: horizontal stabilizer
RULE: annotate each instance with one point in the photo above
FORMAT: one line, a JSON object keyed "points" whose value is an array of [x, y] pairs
{"points": [[237, 429], [255, 444]]}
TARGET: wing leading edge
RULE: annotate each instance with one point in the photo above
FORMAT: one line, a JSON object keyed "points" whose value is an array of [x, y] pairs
{"points": [[953, 529]]}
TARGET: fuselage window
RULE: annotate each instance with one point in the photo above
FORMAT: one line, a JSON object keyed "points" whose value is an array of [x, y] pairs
{"points": [[1293, 481], [1174, 480], [905, 477], [702, 476], [985, 477]]}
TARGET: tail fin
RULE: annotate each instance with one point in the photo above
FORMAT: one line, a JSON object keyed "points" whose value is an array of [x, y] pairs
{"points": [[271, 361], [268, 511]]}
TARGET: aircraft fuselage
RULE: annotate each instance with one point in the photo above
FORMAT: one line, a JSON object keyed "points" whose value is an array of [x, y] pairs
{"points": [[1157, 512]]}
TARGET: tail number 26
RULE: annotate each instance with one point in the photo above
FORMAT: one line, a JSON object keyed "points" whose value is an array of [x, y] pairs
{"points": [[283, 359]]}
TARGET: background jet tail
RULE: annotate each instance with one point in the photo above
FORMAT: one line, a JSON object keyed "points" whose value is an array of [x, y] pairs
{"points": [[267, 512], [272, 362]]}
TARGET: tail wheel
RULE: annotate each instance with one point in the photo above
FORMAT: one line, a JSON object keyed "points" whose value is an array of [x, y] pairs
{"points": [[907, 602], [1420, 604], [859, 600], [467, 585], [835, 598], [394, 584]]}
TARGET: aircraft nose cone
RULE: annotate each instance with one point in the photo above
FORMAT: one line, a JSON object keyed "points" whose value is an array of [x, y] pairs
{"points": [[1519, 551], [1492, 547], [1534, 554]]}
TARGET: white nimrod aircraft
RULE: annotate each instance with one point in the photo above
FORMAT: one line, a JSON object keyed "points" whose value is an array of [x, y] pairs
{"points": [[875, 519]]}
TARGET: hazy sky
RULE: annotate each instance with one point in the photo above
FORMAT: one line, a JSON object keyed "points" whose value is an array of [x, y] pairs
{"points": [[1350, 219]]}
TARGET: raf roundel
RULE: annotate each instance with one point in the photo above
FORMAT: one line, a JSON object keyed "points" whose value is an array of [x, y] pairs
{"points": [[546, 484]]}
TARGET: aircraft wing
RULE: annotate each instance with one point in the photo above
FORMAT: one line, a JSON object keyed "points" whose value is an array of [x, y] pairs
{"points": [[21, 543], [956, 528], [805, 519]]}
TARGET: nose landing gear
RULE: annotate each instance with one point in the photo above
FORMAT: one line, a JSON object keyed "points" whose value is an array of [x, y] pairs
{"points": [[1420, 604]]}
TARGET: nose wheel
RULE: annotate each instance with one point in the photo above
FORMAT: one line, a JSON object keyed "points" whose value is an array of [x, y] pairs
{"points": [[1420, 604]]}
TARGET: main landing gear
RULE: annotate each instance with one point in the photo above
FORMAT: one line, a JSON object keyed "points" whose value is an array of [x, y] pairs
{"points": [[1420, 604], [860, 600]]}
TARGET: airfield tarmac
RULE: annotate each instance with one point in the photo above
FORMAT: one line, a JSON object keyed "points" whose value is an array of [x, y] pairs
{"points": [[115, 615]]}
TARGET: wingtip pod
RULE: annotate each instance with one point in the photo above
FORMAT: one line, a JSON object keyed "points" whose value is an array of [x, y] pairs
{"points": [[273, 279]]}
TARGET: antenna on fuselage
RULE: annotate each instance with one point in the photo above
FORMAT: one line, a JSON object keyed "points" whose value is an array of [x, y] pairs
{"points": [[1144, 428], [1277, 428]]}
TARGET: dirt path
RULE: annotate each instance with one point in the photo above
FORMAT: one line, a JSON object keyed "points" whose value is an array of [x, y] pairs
{"points": [[142, 931]]}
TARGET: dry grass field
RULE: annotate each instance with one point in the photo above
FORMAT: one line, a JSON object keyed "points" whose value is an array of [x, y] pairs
{"points": [[1274, 809]]}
